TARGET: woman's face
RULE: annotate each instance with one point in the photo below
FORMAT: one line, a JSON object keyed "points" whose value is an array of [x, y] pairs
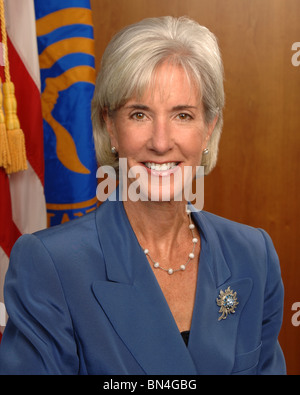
{"points": [[162, 133]]}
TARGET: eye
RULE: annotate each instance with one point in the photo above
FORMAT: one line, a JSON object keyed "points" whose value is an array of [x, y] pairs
{"points": [[139, 116], [184, 116]]}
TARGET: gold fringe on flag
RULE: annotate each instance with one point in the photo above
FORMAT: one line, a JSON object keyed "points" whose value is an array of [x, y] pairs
{"points": [[5, 158], [16, 154]]}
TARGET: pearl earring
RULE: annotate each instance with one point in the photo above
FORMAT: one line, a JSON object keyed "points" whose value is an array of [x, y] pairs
{"points": [[113, 150], [205, 151]]}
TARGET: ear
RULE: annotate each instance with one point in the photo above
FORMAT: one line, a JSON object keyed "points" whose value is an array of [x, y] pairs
{"points": [[110, 127]]}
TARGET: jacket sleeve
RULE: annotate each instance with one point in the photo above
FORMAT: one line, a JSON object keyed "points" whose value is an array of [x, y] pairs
{"points": [[39, 337], [272, 360]]}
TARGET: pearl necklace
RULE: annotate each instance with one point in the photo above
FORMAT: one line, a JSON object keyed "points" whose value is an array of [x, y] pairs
{"points": [[156, 265]]}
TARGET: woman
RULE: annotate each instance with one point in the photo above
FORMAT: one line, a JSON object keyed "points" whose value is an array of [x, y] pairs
{"points": [[144, 286]]}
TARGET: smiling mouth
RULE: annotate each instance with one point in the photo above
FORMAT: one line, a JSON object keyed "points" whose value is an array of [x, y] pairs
{"points": [[160, 166]]}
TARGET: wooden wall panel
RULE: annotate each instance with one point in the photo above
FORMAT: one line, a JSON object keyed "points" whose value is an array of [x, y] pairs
{"points": [[256, 180]]}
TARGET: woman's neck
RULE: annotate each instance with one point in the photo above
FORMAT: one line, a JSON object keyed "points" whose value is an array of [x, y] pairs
{"points": [[158, 224]]}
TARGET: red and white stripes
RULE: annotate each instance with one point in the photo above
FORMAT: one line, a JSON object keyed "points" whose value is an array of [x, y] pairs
{"points": [[22, 200]]}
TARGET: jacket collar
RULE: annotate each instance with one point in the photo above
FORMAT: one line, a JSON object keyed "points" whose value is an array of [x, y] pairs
{"points": [[133, 300], [138, 311], [118, 232]]}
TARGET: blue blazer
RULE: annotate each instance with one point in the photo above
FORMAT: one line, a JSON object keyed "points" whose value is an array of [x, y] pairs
{"points": [[82, 299]]}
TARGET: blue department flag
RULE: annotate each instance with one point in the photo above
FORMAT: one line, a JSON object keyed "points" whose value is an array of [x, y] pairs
{"points": [[67, 66]]}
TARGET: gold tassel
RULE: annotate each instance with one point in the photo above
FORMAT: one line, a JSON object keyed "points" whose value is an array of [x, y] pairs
{"points": [[15, 135], [5, 158], [16, 140]]}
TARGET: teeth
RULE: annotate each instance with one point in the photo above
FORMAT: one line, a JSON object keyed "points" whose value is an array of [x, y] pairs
{"points": [[161, 167]]}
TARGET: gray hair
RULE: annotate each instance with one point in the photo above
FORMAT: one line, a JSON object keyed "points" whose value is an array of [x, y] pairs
{"points": [[130, 60]]}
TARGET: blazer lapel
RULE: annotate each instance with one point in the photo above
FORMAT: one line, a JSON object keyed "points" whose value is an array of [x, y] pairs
{"points": [[139, 313], [133, 300], [212, 342]]}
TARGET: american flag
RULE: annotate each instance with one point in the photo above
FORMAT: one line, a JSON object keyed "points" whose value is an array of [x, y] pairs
{"points": [[22, 200]]}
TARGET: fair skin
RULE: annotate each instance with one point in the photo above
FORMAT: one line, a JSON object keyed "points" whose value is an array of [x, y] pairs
{"points": [[165, 126]]}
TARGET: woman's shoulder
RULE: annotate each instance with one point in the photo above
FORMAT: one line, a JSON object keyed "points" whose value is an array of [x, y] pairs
{"points": [[219, 220], [61, 240], [221, 224], [69, 248], [80, 234], [67, 232], [233, 234]]}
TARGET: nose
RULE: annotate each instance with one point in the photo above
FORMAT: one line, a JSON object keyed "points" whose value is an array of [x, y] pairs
{"points": [[161, 140]]}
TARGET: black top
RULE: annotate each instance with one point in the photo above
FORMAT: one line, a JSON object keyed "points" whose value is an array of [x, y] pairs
{"points": [[185, 335]]}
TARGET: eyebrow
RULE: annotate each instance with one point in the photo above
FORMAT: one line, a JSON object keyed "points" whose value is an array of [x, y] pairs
{"points": [[137, 107], [180, 107], [184, 107]]}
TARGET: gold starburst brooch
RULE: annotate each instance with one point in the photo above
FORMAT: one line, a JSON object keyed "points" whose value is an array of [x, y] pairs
{"points": [[227, 301]]}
